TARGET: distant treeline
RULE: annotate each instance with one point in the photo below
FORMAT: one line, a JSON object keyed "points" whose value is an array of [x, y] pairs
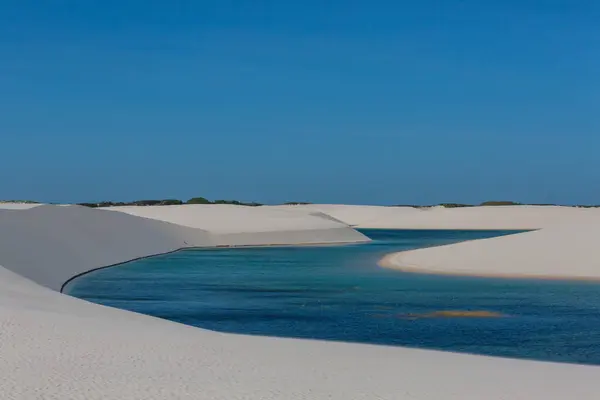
{"points": [[175, 202], [202, 200], [20, 201], [168, 202]]}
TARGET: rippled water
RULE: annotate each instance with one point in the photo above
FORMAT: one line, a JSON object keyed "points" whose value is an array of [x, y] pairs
{"points": [[339, 293]]}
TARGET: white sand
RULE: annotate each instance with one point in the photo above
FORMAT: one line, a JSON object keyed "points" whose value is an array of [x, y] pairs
{"points": [[224, 218], [241, 225], [495, 217], [566, 251], [565, 244], [17, 206], [53, 346]]}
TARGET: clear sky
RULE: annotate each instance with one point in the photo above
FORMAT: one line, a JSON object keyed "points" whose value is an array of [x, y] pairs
{"points": [[346, 101]]}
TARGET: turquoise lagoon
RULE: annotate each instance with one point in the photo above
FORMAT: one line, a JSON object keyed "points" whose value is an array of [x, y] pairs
{"points": [[339, 293]]}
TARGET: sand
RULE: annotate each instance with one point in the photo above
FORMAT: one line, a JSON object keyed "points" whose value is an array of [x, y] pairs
{"points": [[565, 252], [493, 217], [53, 346], [17, 206], [238, 225], [564, 244]]}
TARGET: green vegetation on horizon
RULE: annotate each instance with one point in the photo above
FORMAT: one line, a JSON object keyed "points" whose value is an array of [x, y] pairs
{"points": [[167, 202], [170, 202], [20, 201], [203, 200], [500, 203]]}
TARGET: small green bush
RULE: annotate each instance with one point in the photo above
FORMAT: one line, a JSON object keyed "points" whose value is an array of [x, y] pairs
{"points": [[171, 202], [455, 205], [198, 200], [500, 203]]}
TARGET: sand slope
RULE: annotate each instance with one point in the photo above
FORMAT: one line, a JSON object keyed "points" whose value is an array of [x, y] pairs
{"points": [[224, 218], [495, 217], [50, 244], [17, 206], [53, 346], [567, 251], [565, 244], [241, 225]]}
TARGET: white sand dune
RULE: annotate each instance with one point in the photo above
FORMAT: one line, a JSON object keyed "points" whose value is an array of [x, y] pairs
{"points": [[53, 346], [224, 218], [564, 245], [567, 251], [493, 217], [50, 244], [239, 225], [17, 206]]}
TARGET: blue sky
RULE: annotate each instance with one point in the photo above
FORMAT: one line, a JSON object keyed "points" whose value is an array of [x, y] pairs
{"points": [[375, 102]]}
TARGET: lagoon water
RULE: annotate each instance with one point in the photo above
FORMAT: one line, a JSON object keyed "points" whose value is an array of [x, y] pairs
{"points": [[339, 293]]}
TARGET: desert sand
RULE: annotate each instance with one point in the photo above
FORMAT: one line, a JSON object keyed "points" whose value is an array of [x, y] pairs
{"points": [[53, 346], [567, 252], [563, 244], [493, 217], [17, 206], [237, 225]]}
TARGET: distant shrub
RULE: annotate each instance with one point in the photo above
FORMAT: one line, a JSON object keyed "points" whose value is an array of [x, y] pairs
{"points": [[141, 203], [146, 202], [237, 203], [296, 203], [500, 203], [198, 200], [112, 204], [233, 202], [20, 201], [171, 202], [91, 205], [454, 205]]}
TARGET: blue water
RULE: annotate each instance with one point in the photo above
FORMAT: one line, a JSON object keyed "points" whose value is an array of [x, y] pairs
{"points": [[339, 293]]}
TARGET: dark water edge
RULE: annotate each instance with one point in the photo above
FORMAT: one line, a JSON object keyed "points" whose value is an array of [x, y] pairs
{"points": [[339, 293]]}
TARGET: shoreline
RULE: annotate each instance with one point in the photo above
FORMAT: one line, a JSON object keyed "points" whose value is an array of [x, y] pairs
{"points": [[388, 262], [203, 248]]}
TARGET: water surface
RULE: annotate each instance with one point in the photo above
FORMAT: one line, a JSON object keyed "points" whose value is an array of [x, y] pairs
{"points": [[339, 293]]}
